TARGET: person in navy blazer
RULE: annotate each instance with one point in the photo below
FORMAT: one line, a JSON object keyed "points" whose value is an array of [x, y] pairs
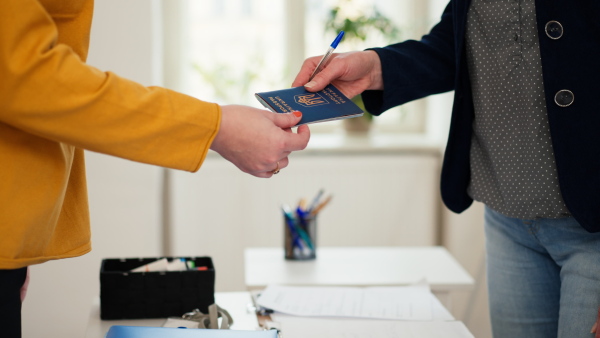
{"points": [[569, 46]]}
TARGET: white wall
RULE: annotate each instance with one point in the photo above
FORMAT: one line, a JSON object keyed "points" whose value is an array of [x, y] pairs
{"points": [[379, 199]]}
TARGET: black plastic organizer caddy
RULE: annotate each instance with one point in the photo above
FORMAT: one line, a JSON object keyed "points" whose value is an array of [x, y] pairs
{"points": [[137, 295]]}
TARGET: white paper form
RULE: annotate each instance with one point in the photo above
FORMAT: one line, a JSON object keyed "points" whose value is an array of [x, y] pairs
{"points": [[401, 303], [302, 327]]}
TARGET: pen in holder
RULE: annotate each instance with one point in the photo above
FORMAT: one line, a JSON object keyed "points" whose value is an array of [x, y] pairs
{"points": [[300, 237], [300, 228]]}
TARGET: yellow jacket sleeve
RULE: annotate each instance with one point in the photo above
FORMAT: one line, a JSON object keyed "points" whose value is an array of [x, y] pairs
{"points": [[53, 105], [48, 91]]}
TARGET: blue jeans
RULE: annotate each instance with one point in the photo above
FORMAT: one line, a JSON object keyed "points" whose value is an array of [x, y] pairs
{"points": [[543, 277]]}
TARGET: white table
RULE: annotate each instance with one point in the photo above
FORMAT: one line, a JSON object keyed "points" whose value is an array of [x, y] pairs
{"points": [[236, 303], [359, 266]]}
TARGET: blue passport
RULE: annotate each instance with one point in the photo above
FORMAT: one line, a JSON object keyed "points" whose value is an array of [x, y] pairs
{"points": [[326, 105]]}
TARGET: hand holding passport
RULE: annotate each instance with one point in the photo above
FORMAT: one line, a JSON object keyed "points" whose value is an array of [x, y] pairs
{"points": [[326, 105]]}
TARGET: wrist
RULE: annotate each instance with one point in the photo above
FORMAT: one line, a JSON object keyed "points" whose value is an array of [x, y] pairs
{"points": [[376, 74], [216, 141]]}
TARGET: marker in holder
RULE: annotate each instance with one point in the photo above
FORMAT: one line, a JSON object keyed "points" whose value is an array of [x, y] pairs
{"points": [[300, 234]]}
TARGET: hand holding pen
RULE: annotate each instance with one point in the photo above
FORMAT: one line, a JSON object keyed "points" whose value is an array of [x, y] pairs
{"points": [[327, 55], [351, 73]]}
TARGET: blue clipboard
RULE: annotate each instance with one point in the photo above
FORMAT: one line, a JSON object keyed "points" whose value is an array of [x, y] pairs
{"points": [[121, 331]]}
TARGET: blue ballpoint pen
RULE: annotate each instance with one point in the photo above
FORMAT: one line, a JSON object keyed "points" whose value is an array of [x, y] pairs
{"points": [[302, 227], [296, 229], [327, 55], [289, 220]]}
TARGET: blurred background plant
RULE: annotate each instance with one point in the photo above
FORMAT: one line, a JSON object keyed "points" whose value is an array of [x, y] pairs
{"points": [[228, 87], [360, 23], [231, 85]]}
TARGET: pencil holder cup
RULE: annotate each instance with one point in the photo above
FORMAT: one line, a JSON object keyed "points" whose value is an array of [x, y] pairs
{"points": [[300, 237]]}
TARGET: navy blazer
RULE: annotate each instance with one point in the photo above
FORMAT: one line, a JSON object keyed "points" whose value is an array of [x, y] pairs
{"points": [[569, 33]]}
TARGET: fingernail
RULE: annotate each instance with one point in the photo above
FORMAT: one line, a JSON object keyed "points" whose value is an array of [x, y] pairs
{"points": [[594, 328], [310, 84], [297, 114]]}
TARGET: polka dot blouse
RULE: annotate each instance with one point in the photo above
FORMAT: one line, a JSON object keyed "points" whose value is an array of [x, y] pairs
{"points": [[512, 161]]}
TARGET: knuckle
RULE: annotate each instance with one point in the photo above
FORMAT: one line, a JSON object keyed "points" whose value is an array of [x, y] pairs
{"points": [[272, 159], [279, 145]]}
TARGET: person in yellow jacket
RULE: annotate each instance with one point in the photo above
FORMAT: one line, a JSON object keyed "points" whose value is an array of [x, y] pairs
{"points": [[53, 106]]}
